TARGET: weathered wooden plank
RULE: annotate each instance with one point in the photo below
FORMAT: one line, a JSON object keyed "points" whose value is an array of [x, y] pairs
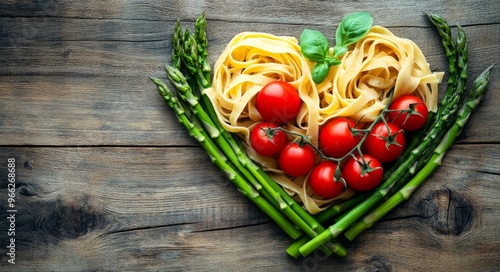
{"points": [[54, 46], [72, 110], [138, 180], [291, 11], [170, 209], [111, 47]]}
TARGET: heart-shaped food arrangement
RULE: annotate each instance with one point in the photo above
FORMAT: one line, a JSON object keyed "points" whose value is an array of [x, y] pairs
{"points": [[324, 138]]}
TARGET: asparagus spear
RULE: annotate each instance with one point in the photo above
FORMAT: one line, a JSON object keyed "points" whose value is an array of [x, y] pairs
{"points": [[202, 41], [450, 49], [476, 95], [176, 45]]}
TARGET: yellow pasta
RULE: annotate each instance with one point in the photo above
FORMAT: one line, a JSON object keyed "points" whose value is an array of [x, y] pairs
{"points": [[358, 88]]}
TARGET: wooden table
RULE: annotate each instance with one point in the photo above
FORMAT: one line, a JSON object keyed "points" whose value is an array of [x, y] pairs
{"points": [[107, 179]]}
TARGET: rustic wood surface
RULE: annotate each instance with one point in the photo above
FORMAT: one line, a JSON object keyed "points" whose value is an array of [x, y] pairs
{"points": [[108, 180]]}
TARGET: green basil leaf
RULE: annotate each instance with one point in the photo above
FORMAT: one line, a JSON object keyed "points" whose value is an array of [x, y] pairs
{"points": [[339, 50], [332, 61], [314, 45], [319, 72], [353, 27]]}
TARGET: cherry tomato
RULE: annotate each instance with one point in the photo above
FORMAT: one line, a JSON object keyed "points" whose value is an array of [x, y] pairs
{"points": [[385, 142], [336, 138], [278, 102], [296, 160], [265, 141], [362, 175], [409, 121], [322, 180]]}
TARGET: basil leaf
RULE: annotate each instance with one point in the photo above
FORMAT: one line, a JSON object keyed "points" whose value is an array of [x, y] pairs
{"points": [[353, 27], [339, 50], [314, 45], [332, 61], [319, 72]]}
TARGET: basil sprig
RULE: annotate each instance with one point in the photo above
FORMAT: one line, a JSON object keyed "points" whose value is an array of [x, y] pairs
{"points": [[315, 46]]}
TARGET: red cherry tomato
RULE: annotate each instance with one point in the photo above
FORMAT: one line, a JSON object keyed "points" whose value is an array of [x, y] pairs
{"points": [[413, 120], [296, 160], [278, 102], [362, 175], [322, 181], [385, 142], [266, 141], [336, 138]]}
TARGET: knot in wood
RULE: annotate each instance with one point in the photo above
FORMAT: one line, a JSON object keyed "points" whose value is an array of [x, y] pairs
{"points": [[378, 264], [451, 212], [66, 53], [63, 219]]}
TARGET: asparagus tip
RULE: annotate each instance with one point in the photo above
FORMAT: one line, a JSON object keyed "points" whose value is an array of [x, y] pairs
{"points": [[155, 80]]}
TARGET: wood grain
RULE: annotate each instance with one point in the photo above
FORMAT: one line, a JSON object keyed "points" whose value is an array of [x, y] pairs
{"points": [[108, 180]]}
